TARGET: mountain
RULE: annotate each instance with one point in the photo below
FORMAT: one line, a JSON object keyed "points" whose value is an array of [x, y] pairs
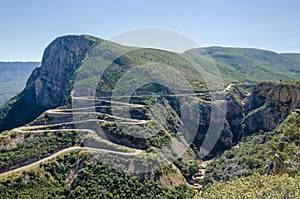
{"points": [[246, 64], [13, 77], [46, 85], [70, 135]]}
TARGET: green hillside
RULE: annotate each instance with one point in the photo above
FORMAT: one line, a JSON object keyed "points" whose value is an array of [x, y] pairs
{"points": [[77, 175], [246, 64], [65, 136], [263, 166]]}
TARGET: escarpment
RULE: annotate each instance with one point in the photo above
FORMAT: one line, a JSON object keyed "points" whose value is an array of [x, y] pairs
{"points": [[269, 105], [46, 87], [249, 107]]}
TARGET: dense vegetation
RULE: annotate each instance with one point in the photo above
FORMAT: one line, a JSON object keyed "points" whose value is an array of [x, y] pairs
{"points": [[77, 175], [240, 64], [256, 186], [250, 156], [290, 82], [87, 175], [163, 65], [187, 168], [26, 148], [256, 151], [265, 165]]}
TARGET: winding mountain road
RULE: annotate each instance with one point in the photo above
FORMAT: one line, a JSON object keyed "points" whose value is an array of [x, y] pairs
{"points": [[137, 151], [61, 112]]}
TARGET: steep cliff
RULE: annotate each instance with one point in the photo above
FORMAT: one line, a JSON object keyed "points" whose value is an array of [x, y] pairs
{"points": [[251, 108], [268, 106], [47, 84], [257, 107]]}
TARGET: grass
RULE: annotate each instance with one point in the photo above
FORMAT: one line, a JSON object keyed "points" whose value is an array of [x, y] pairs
{"points": [[245, 64]]}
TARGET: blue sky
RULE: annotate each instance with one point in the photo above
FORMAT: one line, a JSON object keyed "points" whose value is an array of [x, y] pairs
{"points": [[27, 27]]}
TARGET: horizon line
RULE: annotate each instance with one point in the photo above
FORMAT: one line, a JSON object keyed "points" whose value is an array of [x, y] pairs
{"points": [[220, 46]]}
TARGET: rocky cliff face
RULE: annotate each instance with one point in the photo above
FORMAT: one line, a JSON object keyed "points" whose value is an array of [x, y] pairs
{"points": [[61, 58], [269, 105], [46, 87], [262, 109]]}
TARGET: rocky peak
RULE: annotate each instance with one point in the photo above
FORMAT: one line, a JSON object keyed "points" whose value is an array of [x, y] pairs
{"points": [[60, 60], [47, 85]]}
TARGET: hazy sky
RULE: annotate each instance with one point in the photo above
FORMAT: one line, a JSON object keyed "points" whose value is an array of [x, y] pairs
{"points": [[28, 26]]}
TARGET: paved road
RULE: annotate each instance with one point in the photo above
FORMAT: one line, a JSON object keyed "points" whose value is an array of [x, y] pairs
{"points": [[62, 113], [137, 151], [67, 112]]}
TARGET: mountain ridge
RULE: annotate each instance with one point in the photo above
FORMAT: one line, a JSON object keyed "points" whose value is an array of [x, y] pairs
{"points": [[45, 94], [252, 107], [253, 64]]}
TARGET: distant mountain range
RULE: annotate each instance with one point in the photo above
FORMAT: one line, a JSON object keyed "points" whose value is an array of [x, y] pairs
{"points": [[13, 76]]}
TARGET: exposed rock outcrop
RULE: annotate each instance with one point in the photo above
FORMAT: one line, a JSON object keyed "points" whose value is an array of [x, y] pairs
{"points": [[49, 87], [46, 87], [268, 106], [261, 108]]}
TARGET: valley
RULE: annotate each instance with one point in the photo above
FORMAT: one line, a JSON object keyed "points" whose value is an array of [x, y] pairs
{"points": [[69, 134], [13, 77]]}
